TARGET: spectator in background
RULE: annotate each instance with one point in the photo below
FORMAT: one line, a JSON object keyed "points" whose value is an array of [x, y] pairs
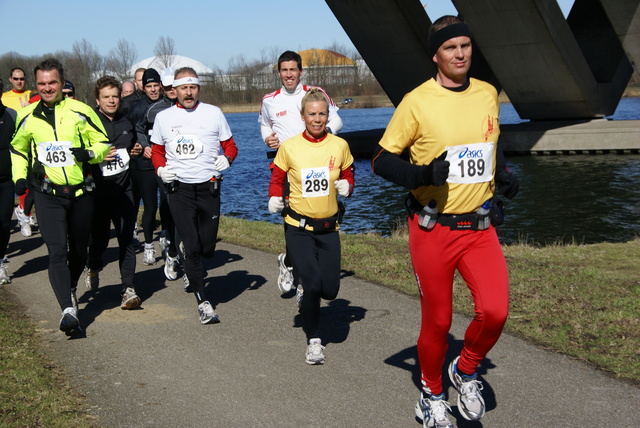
{"points": [[18, 96], [128, 88]]}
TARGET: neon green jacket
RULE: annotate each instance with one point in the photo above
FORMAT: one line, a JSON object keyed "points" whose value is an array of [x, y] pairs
{"points": [[75, 122]]}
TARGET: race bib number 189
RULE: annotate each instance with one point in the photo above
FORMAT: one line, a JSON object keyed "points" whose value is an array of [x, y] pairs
{"points": [[315, 182], [471, 163], [55, 154]]}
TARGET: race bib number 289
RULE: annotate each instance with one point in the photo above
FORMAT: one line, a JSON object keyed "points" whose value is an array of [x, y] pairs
{"points": [[471, 163], [315, 182]]}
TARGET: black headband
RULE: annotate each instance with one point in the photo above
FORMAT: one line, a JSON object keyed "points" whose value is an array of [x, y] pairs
{"points": [[445, 33]]}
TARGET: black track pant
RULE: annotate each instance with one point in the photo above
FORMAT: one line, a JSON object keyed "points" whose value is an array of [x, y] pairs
{"points": [[316, 258], [196, 213], [62, 221], [145, 187], [114, 205], [6, 210]]}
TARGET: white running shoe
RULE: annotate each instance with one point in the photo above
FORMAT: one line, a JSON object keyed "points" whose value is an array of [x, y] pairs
{"points": [[23, 221], [207, 313], [32, 221], [69, 322], [91, 279], [470, 401], [299, 295], [433, 413], [163, 241], [314, 354], [170, 267], [74, 300], [149, 257], [285, 275], [130, 299], [186, 286], [4, 275]]}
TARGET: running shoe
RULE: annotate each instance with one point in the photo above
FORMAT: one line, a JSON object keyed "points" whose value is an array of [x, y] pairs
{"points": [[470, 401], [314, 354], [207, 314], [149, 257], [285, 275], [163, 241], [74, 299], [91, 279], [136, 241], [69, 322], [23, 221], [4, 275], [130, 299], [186, 287], [170, 267], [433, 412], [299, 294], [32, 221]]}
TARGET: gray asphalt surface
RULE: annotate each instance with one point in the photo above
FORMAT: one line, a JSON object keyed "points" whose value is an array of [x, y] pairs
{"points": [[158, 366]]}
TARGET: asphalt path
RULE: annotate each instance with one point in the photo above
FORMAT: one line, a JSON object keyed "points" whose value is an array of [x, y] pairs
{"points": [[158, 366]]}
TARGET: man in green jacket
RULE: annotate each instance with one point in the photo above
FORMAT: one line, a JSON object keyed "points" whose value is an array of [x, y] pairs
{"points": [[55, 141]]}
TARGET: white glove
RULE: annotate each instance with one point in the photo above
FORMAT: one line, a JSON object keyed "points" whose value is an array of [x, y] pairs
{"points": [[342, 186], [220, 163], [167, 174], [275, 204]]}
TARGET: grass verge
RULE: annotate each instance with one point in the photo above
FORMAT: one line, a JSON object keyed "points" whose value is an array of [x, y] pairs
{"points": [[33, 391], [581, 300]]}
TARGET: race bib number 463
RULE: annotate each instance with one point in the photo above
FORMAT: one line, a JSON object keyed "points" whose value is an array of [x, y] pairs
{"points": [[315, 182], [471, 163], [55, 154]]}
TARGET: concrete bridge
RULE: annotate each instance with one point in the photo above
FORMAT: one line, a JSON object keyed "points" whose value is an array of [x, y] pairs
{"points": [[551, 68]]}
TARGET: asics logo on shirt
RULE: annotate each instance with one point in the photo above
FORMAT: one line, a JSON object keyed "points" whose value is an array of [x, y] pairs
{"points": [[54, 147], [281, 113], [183, 140], [316, 174], [470, 154]]}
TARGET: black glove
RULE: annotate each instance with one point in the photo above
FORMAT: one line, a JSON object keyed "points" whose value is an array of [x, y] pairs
{"points": [[507, 183], [81, 155], [20, 188], [436, 172]]}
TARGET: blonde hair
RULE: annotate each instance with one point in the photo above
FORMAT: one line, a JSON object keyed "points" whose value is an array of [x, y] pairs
{"points": [[314, 94]]}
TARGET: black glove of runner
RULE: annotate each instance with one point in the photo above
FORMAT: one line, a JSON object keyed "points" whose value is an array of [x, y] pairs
{"points": [[81, 155], [20, 188], [436, 172], [507, 183]]}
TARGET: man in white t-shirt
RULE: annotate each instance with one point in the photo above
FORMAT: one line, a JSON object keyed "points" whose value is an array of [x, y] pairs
{"points": [[280, 120], [192, 145]]}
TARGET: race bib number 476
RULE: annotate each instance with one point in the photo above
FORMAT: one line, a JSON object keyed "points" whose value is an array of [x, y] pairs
{"points": [[55, 154], [315, 182], [471, 163]]}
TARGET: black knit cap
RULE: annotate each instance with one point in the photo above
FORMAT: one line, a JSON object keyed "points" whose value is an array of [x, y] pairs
{"points": [[150, 76]]}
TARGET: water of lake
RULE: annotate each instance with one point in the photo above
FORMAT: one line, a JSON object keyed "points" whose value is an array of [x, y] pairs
{"points": [[582, 198]]}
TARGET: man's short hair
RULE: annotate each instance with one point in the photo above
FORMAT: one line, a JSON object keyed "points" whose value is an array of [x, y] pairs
{"points": [[106, 82], [290, 56], [138, 70], [16, 68], [48, 65], [185, 70], [1, 86]]}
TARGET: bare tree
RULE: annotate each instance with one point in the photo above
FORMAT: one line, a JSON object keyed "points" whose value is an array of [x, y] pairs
{"points": [[165, 51], [120, 60], [83, 67]]}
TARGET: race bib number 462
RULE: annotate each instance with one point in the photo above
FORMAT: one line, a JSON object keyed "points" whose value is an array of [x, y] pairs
{"points": [[55, 154], [471, 163], [315, 182]]}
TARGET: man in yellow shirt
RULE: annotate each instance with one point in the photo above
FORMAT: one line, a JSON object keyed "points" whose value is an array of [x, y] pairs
{"points": [[17, 97]]}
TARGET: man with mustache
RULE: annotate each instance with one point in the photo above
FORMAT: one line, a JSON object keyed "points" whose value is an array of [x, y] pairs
{"points": [[192, 145]]}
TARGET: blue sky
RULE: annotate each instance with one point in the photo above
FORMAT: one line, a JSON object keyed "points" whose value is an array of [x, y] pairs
{"points": [[210, 31]]}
